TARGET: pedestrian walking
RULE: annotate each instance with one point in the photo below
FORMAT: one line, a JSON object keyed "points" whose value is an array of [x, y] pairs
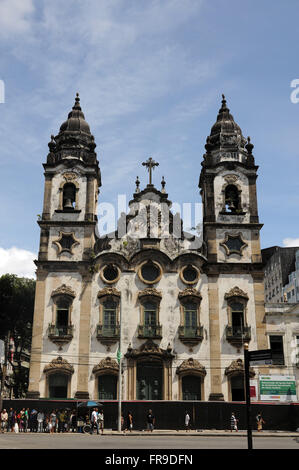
{"points": [[11, 422], [129, 422], [260, 422], [94, 421], [26, 419], [73, 421], [187, 421], [40, 421], [4, 420], [101, 421], [150, 421], [233, 423]]}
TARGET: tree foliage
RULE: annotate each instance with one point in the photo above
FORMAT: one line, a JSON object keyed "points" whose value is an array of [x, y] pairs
{"points": [[16, 318]]}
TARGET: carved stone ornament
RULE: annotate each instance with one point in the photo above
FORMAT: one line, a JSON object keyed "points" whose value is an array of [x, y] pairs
{"points": [[63, 290], [70, 177], [149, 349], [237, 368], [190, 292], [230, 179], [108, 291], [106, 365], [236, 292], [150, 292], [191, 366], [59, 365]]}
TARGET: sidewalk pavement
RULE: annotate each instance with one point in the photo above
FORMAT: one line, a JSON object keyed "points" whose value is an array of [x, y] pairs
{"points": [[204, 432]]}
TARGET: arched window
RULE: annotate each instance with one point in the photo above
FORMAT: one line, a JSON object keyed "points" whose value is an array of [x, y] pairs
{"points": [[190, 318], [232, 199], [149, 326], [69, 196], [109, 317], [62, 315], [237, 315]]}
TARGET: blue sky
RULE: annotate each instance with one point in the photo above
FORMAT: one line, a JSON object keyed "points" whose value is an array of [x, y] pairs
{"points": [[150, 74]]}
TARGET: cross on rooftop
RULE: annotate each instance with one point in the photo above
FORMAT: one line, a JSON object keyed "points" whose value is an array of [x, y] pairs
{"points": [[150, 164]]}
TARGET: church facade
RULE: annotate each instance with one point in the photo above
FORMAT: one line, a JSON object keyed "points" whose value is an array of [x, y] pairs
{"points": [[176, 307]]}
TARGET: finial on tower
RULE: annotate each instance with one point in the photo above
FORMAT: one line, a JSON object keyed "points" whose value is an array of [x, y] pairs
{"points": [[249, 146], [137, 182], [163, 183]]}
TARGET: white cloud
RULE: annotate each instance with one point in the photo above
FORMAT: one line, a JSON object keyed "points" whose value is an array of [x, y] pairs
{"points": [[290, 242], [15, 16], [17, 261]]}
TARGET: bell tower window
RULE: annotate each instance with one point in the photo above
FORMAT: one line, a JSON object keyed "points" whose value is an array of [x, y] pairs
{"points": [[232, 199], [69, 196]]}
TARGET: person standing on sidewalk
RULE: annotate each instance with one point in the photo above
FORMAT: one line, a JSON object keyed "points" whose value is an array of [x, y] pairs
{"points": [[187, 421], [101, 421], [129, 422], [260, 422], [4, 420], [150, 421], [40, 421], [233, 423]]}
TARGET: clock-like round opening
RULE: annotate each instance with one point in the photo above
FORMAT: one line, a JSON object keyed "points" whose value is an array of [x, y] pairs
{"points": [[150, 272], [189, 274], [110, 273]]}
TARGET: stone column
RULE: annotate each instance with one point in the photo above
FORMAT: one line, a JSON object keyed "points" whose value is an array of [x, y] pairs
{"points": [[47, 197], [84, 338], [259, 301], [215, 340], [37, 335]]}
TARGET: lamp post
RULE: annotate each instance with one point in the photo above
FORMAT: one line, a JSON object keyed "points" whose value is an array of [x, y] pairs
{"points": [[247, 391], [119, 359]]}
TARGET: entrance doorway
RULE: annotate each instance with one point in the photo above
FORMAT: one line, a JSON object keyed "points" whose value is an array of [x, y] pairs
{"points": [[237, 388], [191, 387], [149, 381], [58, 386], [107, 387]]}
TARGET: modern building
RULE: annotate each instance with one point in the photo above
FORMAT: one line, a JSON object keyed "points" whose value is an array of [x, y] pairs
{"points": [[279, 264], [177, 307]]}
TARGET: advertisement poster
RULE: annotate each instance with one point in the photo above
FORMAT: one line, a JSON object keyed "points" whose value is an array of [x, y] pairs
{"points": [[277, 387], [253, 390]]}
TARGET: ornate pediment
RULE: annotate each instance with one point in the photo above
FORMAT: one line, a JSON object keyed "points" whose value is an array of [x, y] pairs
{"points": [[63, 290], [237, 368], [108, 291], [191, 366], [236, 292], [190, 292], [150, 291], [59, 365], [150, 349], [106, 365]]}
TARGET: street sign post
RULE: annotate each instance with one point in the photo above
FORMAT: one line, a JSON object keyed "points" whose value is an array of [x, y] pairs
{"points": [[260, 357], [247, 394]]}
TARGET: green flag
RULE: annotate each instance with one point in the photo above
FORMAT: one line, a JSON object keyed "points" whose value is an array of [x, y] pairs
{"points": [[118, 355]]}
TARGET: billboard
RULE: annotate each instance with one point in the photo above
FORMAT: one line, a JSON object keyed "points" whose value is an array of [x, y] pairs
{"points": [[277, 387]]}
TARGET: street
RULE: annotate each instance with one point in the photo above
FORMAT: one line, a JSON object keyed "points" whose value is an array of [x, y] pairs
{"points": [[86, 441]]}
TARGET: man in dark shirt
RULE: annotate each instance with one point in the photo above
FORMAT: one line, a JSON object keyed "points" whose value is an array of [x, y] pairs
{"points": [[150, 421]]}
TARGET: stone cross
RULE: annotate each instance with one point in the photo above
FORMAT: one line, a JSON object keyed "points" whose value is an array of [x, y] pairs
{"points": [[150, 164]]}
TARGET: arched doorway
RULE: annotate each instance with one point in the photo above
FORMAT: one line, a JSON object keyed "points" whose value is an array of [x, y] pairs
{"points": [[149, 381], [191, 387], [107, 387], [58, 384]]}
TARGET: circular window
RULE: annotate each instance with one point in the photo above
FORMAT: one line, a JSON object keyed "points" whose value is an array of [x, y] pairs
{"points": [[110, 273], [189, 274], [150, 272]]}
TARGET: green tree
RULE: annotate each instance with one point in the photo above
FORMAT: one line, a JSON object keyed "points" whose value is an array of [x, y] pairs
{"points": [[16, 318]]}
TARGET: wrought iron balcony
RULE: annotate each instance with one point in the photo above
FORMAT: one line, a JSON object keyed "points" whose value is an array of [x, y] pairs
{"points": [[237, 335], [150, 331], [60, 334], [109, 332], [191, 335]]}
